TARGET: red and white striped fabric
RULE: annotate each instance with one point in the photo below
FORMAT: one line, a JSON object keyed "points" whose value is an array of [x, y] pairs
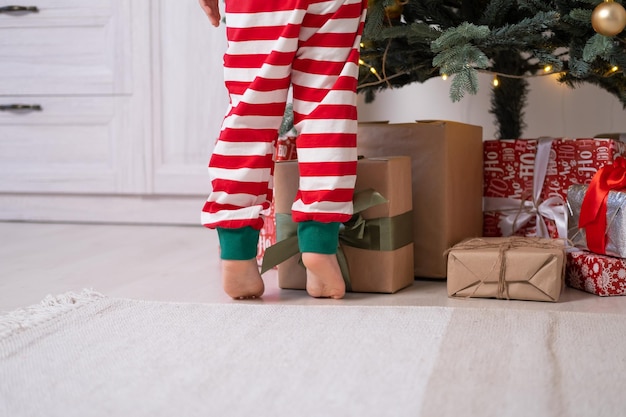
{"points": [[313, 46]]}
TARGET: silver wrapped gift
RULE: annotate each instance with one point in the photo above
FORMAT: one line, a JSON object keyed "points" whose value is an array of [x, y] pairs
{"points": [[616, 220]]}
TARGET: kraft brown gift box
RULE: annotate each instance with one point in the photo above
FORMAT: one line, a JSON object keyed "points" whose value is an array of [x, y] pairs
{"points": [[517, 268], [370, 270], [447, 169]]}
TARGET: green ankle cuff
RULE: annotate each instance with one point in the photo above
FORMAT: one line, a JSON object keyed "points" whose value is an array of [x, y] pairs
{"points": [[318, 237], [238, 244]]}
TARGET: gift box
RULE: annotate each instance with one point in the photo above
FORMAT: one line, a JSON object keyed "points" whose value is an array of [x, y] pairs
{"points": [[267, 234], [596, 274], [285, 151], [518, 268], [617, 136], [526, 181], [446, 182], [599, 224], [385, 264]]}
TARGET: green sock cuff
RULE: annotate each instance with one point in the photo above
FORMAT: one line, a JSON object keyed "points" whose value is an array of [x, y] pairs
{"points": [[318, 237], [238, 244]]}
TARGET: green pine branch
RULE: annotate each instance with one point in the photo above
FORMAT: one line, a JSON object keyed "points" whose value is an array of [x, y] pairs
{"points": [[515, 38]]}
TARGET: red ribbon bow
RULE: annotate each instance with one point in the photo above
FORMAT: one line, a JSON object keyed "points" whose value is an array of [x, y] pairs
{"points": [[594, 206]]}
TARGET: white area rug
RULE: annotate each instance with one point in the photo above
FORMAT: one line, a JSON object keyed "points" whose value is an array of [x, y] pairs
{"points": [[89, 355]]}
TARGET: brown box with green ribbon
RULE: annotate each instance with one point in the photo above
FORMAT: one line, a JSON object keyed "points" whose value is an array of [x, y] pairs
{"points": [[377, 244]]}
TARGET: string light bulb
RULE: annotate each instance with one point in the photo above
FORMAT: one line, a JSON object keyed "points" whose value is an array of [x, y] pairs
{"points": [[371, 68], [444, 76], [496, 81], [615, 68], [547, 68]]}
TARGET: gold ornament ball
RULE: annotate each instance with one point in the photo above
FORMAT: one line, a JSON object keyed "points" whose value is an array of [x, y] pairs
{"points": [[608, 18]]}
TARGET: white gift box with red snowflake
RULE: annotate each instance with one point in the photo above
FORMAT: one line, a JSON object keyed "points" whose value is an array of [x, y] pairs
{"points": [[597, 274]]}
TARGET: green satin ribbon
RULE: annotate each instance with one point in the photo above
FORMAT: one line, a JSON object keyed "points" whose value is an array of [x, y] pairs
{"points": [[381, 234]]}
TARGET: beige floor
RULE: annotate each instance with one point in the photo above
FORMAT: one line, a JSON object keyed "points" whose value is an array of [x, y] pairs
{"points": [[180, 264]]}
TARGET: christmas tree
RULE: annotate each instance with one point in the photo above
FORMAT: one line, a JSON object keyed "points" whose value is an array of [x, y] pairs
{"points": [[407, 41]]}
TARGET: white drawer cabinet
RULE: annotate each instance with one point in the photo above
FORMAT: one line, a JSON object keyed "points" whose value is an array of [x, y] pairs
{"points": [[82, 70], [67, 47], [131, 99], [193, 100], [74, 144]]}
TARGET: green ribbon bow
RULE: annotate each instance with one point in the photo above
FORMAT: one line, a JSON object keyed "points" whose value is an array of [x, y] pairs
{"points": [[385, 233]]}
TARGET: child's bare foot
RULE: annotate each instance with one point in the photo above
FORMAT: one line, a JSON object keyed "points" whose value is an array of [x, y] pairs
{"points": [[323, 276], [241, 279]]}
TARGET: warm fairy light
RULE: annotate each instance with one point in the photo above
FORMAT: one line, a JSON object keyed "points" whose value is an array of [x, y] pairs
{"points": [[371, 68], [362, 45], [548, 70]]}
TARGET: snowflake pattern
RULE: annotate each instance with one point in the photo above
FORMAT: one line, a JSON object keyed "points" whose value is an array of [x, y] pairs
{"points": [[597, 274]]}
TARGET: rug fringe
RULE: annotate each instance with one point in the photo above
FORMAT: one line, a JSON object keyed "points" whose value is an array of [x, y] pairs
{"points": [[50, 307]]}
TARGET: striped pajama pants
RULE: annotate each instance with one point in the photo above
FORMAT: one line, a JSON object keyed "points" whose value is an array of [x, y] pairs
{"points": [[311, 46]]}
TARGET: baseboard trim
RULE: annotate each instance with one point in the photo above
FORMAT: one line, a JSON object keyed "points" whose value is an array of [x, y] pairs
{"points": [[171, 210]]}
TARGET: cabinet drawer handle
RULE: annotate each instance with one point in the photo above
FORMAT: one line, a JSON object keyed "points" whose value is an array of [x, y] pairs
{"points": [[20, 107], [18, 9]]}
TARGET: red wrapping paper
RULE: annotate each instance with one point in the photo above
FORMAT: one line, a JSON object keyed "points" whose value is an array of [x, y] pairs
{"points": [[508, 170], [286, 148], [596, 274], [285, 151]]}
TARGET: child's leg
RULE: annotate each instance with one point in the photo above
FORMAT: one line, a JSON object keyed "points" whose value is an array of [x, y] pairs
{"points": [[318, 244], [240, 273], [262, 41], [324, 79]]}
